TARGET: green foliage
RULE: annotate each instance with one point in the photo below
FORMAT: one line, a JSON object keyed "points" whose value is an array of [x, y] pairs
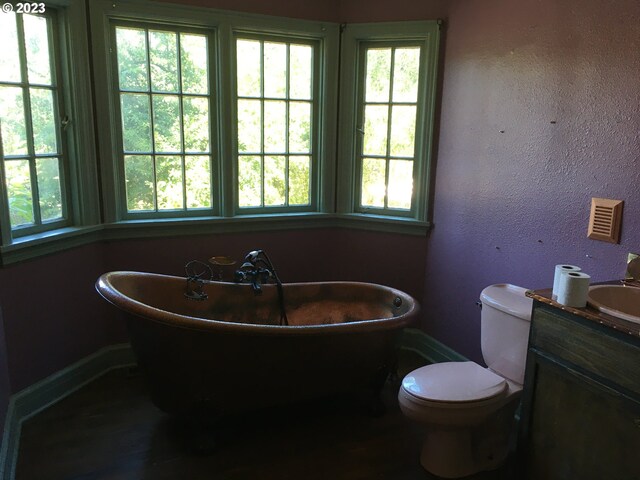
{"points": [[159, 181]]}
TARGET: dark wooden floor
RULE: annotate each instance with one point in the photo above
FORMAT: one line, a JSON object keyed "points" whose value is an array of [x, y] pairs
{"points": [[110, 430]]}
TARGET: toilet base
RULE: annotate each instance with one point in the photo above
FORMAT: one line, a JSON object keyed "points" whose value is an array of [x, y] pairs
{"points": [[460, 452]]}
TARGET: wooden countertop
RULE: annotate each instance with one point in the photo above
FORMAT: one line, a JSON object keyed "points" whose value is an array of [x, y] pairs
{"points": [[587, 312]]}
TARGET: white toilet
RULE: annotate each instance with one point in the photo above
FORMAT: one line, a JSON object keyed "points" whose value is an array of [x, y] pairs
{"points": [[467, 411]]}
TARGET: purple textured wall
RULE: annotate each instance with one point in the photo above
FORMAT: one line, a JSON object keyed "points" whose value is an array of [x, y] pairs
{"points": [[540, 112], [5, 388], [359, 11], [323, 10], [52, 316], [313, 255]]}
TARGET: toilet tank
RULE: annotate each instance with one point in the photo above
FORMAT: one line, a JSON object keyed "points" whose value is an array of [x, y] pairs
{"points": [[505, 320]]}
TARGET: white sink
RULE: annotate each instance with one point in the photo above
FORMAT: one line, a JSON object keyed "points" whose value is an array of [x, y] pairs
{"points": [[619, 301]]}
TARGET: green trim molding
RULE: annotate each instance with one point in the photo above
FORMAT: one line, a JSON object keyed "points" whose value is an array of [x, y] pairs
{"points": [[35, 398], [427, 347]]}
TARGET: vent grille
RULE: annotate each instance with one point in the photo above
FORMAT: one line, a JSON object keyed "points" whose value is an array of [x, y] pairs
{"points": [[605, 220]]}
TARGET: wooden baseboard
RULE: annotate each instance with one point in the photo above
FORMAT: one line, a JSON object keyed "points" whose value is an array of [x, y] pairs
{"points": [[35, 398], [427, 347]]}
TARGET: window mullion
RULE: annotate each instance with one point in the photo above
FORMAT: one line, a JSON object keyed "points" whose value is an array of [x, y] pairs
{"points": [[389, 118], [26, 102], [151, 121], [262, 156], [287, 97], [183, 155]]}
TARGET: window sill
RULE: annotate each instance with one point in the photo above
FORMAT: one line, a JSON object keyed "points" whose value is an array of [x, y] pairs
{"points": [[254, 223], [33, 246]]}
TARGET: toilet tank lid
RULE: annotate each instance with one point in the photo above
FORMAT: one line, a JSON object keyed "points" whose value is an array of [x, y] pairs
{"points": [[508, 298]]}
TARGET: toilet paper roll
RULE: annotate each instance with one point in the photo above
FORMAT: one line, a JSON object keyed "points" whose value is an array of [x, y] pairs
{"points": [[560, 269], [573, 289]]}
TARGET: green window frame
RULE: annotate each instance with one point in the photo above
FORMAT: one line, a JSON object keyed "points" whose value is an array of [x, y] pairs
{"points": [[277, 105], [223, 30], [165, 84], [386, 174], [34, 140]]}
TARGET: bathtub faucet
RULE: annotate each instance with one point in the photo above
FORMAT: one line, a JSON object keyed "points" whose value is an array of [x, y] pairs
{"points": [[258, 269], [253, 274]]}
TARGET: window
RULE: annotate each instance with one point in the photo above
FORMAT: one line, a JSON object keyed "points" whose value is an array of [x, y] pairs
{"points": [[276, 92], [164, 97], [235, 118], [388, 87], [33, 124], [387, 111]]}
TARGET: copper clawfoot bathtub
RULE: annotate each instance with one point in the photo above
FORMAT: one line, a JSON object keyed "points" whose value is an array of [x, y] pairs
{"points": [[227, 354]]}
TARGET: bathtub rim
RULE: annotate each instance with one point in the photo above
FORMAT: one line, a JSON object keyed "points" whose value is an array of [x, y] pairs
{"points": [[109, 292]]}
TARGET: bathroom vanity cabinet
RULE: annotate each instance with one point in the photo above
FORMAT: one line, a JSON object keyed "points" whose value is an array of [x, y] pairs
{"points": [[581, 400]]}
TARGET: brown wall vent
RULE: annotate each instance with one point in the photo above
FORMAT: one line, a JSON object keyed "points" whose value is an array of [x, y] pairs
{"points": [[605, 220]]}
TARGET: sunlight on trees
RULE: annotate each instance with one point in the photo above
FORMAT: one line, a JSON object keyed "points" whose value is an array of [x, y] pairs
{"points": [[25, 204], [165, 122], [389, 123], [272, 127]]}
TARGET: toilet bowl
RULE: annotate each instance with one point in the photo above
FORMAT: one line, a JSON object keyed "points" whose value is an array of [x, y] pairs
{"points": [[468, 411]]}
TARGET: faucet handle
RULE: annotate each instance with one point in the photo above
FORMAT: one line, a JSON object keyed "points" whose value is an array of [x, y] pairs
{"points": [[633, 266]]}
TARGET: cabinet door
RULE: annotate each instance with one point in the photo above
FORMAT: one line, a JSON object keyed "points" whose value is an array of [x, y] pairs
{"points": [[579, 428]]}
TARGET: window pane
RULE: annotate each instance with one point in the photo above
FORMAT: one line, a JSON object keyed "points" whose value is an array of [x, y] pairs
{"points": [[18, 179], [403, 131], [249, 181], [198, 173], [132, 59], [169, 182], [378, 75], [300, 60], [375, 130], [195, 111], [300, 127], [299, 180], [373, 182], [249, 126], [139, 182], [275, 70], [400, 184], [248, 65], [49, 190], [194, 61], [136, 122], [275, 126], [43, 120], [10, 58], [36, 41], [406, 70], [163, 57], [274, 180], [166, 123], [14, 131]]}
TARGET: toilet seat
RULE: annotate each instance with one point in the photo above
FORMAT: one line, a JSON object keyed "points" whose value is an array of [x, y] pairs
{"points": [[453, 384]]}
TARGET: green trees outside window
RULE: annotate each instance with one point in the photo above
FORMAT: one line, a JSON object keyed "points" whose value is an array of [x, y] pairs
{"points": [[30, 117], [275, 106], [388, 108], [164, 99]]}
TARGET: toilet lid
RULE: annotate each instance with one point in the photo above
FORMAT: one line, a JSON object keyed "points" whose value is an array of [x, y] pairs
{"points": [[453, 382]]}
